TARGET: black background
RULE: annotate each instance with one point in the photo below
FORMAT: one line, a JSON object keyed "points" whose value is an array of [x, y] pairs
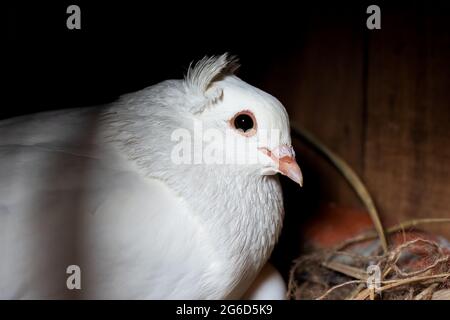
{"points": [[125, 46]]}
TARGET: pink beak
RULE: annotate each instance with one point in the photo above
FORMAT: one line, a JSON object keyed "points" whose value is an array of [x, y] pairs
{"points": [[284, 157]]}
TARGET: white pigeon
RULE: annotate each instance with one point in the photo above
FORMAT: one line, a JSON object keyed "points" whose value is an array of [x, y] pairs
{"points": [[98, 188]]}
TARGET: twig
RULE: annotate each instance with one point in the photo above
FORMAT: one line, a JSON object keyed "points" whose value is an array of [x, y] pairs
{"points": [[404, 225], [400, 282], [427, 293], [349, 174], [337, 287], [346, 269], [441, 295], [356, 291]]}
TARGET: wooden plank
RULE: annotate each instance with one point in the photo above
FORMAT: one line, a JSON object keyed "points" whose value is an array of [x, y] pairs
{"points": [[318, 76], [320, 81], [407, 154]]}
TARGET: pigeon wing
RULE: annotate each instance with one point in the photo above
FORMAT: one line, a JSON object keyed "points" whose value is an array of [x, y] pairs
{"points": [[66, 199]]}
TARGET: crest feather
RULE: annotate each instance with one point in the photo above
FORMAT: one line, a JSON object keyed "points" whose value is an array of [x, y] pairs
{"points": [[204, 73]]}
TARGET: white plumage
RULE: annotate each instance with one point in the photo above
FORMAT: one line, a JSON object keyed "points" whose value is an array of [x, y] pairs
{"points": [[96, 187]]}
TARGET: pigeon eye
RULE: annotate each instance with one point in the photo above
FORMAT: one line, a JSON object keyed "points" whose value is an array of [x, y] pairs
{"points": [[245, 123]]}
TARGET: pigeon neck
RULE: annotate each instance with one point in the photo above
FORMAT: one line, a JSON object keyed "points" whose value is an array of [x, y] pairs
{"points": [[243, 212]]}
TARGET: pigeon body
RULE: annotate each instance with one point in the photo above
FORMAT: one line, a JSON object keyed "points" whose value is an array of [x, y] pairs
{"points": [[98, 188]]}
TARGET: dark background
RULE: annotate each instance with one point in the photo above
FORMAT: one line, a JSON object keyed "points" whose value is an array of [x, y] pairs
{"points": [[379, 98], [126, 46]]}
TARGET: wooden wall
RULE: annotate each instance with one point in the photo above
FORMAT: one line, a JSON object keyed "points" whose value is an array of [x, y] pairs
{"points": [[380, 99]]}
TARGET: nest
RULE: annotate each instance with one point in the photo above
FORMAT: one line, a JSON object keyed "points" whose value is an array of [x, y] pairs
{"points": [[363, 268], [416, 268]]}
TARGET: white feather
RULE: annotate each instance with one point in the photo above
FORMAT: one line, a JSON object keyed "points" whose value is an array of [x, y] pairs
{"points": [[95, 187]]}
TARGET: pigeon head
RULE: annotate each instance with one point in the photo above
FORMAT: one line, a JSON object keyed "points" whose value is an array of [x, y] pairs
{"points": [[248, 126]]}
